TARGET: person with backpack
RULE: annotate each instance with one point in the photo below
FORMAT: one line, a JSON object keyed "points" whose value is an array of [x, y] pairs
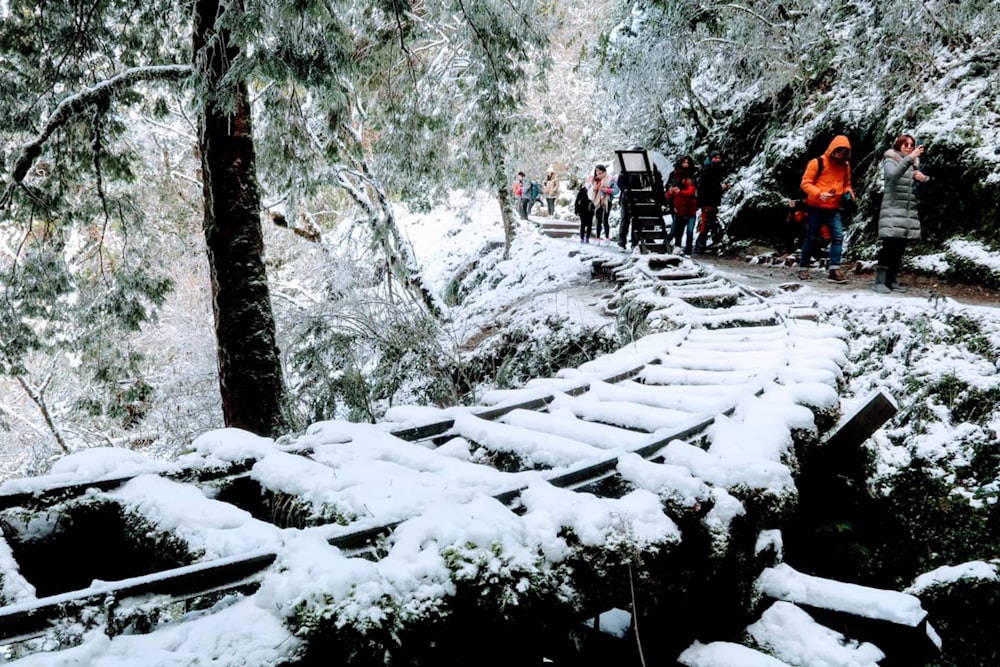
{"points": [[710, 188], [534, 195], [521, 193], [584, 210], [898, 221], [827, 185], [601, 189], [682, 195]]}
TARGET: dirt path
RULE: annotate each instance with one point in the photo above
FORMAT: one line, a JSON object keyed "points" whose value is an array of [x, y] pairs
{"points": [[762, 276], [777, 278]]}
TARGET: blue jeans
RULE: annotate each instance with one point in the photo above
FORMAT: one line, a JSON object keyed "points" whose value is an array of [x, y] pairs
{"points": [[677, 231], [815, 219]]}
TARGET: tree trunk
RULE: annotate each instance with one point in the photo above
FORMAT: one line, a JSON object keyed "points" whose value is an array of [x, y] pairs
{"points": [[503, 198], [250, 376]]}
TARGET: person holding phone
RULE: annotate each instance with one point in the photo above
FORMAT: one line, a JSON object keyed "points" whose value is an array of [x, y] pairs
{"points": [[826, 183], [898, 221]]}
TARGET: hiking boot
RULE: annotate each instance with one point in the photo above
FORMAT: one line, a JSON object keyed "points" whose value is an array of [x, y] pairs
{"points": [[881, 288], [897, 287], [804, 275], [835, 276]]}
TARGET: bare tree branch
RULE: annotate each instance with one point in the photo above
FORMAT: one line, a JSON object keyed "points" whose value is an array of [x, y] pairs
{"points": [[37, 396]]}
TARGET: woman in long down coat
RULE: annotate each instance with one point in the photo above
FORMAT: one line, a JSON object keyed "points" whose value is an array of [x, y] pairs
{"points": [[898, 221]]}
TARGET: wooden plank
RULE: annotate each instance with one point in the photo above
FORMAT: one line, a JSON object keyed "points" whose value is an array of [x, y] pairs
{"points": [[26, 618], [876, 411], [439, 428]]}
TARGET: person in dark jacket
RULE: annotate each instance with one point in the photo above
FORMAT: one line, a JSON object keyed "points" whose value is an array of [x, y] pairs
{"points": [[520, 188], [636, 188], [626, 184], [710, 189], [898, 221], [584, 210]]}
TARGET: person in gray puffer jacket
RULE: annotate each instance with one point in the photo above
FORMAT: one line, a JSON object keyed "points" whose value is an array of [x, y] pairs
{"points": [[898, 221]]}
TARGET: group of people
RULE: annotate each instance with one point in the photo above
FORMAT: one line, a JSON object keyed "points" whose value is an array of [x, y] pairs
{"points": [[686, 191], [527, 193], [826, 183]]}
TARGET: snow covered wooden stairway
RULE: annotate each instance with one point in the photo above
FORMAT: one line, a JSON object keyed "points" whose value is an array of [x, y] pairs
{"points": [[653, 479]]}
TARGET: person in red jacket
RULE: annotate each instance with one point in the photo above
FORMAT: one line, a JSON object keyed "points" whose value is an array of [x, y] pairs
{"points": [[682, 195], [827, 185]]}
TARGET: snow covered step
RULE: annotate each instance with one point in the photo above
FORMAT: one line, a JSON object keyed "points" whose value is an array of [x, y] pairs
{"points": [[737, 335], [555, 228], [894, 621], [684, 376], [726, 654], [789, 633], [713, 318], [622, 413]]}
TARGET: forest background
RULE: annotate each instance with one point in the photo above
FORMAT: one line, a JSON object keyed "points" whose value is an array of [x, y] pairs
{"points": [[283, 140]]}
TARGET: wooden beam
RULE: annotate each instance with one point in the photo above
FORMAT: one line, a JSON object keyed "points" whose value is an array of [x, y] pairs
{"points": [[876, 411]]}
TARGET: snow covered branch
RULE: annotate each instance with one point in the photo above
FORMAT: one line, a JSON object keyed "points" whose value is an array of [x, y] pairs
{"points": [[76, 103]]}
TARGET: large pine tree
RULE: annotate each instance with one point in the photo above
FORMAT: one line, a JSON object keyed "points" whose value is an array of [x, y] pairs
{"points": [[249, 367], [77, 69], [381, 100]]}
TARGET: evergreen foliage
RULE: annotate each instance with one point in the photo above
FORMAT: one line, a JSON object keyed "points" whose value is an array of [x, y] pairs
{"points": [[965, 612], [355, 106], [771, 84]]}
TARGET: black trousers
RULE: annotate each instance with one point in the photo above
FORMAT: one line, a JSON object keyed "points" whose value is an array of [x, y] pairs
{"points": [[601, 221], [890, 255]]}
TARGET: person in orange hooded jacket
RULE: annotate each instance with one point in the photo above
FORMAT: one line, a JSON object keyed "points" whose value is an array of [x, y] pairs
{"points": [[827, 185]]}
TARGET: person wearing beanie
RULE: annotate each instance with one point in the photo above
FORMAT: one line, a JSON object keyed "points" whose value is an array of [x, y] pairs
{"points": [[550, 190]]}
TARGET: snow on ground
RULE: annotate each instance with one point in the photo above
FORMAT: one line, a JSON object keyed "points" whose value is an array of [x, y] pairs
{"points": [[542, 277]]}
